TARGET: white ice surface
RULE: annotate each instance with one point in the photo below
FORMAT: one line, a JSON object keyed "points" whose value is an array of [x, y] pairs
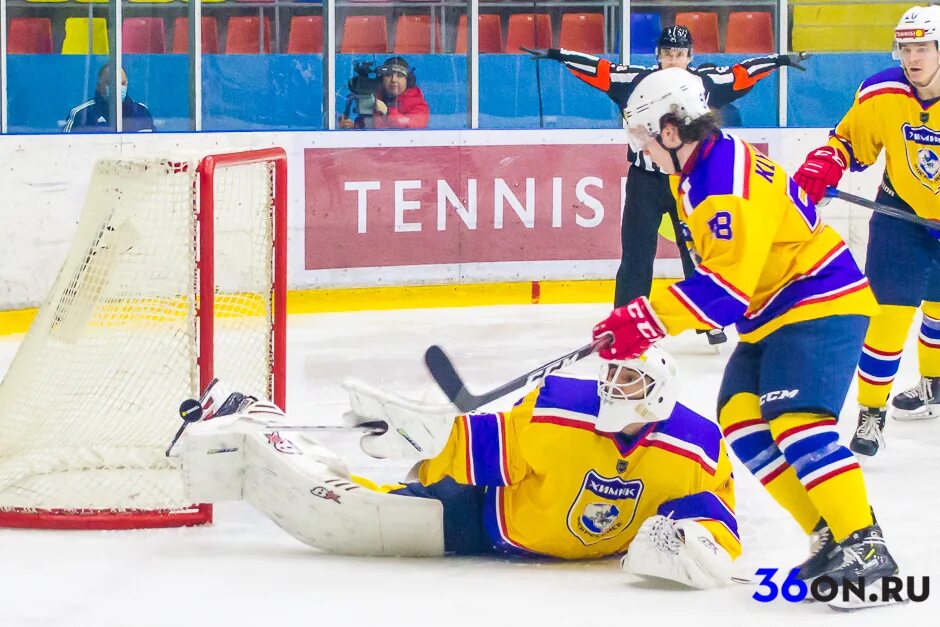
{"points": [[244, 571]]}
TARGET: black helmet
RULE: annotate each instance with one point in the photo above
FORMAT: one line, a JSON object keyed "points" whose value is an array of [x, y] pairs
{"points": [[675, 37]]}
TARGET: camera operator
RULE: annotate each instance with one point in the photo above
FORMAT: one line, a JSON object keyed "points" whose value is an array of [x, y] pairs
{"points": [[392, 100]]}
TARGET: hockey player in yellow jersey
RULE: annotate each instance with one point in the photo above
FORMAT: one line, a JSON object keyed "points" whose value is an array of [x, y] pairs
{"points": [[579, 468], [895, 111], [801, 305]]}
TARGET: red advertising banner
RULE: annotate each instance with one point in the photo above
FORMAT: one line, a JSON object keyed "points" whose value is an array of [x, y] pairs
{"points": [[403, 206], [374, 207]]}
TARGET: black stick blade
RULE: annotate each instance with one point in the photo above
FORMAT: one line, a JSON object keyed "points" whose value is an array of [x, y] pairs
{"points": [[442, 369]]}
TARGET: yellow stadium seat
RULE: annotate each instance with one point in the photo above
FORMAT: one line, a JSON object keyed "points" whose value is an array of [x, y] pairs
{"points": [[842, 38], [848, 14], [76, 36], [846, 26]]}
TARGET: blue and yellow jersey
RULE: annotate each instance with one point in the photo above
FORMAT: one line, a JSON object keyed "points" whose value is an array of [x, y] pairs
{"points": [[767, 258], [887, 114], [557, 487]]}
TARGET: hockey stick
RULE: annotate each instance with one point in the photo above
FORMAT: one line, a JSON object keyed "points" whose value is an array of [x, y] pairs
{"points": [[444, 373], [894, 212], [538, 88], [538, 73]]}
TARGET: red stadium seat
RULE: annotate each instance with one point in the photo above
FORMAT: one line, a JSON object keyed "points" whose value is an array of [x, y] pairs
{"points": [[490, 38], [365, 33], [244, 36], [306, 35], [583, 32], [30, 35], [413, 35], [750, 31], [143, 35], [532, 30], [210, 35], [704, 28]]}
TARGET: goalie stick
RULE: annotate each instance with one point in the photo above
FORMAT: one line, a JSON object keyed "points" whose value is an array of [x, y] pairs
{"points": [[894, 212], [442, 369]]}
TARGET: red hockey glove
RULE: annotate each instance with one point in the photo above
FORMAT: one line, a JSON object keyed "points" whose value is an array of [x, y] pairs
{"points": [[635, 328], [823, 168]]}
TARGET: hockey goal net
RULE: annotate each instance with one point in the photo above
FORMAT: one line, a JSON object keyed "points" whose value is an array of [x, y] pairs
{"points": [[177, 273]]}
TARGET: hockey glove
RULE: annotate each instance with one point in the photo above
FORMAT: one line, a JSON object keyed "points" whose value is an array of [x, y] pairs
{"points": [[793, 60], [823, 168], [635, 328], [551, 53], [678, 550]]}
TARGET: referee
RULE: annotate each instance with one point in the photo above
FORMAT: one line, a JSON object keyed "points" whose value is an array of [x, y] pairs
{"points": [[648, 195]]}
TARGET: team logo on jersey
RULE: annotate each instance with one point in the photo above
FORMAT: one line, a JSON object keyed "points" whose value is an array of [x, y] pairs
{"points": [[922, 145], [604, 507], [622, 466]]}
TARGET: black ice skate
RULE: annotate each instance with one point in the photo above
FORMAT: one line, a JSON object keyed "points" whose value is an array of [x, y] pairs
{"points": [[868, 437], [717, 336], [864, 557], [918, 403], [824, 553]]}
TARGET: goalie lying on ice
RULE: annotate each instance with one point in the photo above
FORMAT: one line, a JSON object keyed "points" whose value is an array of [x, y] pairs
{"points": [[577, 469]]}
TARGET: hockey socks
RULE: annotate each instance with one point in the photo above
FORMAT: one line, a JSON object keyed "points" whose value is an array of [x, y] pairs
{"points": [[928, 340], [750, 438], [828, 471], [881, 354]]}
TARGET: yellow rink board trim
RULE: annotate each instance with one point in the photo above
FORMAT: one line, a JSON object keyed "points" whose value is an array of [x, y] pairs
{"points": [[409, 297]]}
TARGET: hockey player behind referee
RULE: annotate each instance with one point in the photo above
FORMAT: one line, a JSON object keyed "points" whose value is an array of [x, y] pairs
{"points": [[895, 111], [648, 195]]}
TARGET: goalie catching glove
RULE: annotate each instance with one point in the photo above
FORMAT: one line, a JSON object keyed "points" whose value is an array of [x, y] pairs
{"points": [[678, 550], [415, 430]]}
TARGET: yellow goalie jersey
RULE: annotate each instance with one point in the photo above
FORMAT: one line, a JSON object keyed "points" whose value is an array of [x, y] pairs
{"points": [[888, 114], [767, 259], [557, 487]]}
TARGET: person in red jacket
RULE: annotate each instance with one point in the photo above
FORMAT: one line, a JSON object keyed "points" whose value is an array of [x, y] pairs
{"points": [[399, 102]]}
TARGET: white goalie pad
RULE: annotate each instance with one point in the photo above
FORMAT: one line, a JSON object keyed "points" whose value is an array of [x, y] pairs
{"points": [[678, 550], [416, 430], [303, 487]]}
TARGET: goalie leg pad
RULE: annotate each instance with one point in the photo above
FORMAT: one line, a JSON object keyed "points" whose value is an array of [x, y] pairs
{"points": [[298, 486], [678, 550], [212, 455]]}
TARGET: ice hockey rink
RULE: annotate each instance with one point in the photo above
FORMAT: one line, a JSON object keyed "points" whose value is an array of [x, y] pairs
{"points": [[245, 571]]}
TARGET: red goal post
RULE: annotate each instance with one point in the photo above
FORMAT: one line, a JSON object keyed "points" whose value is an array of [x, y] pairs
{"points": [[177, 274]]}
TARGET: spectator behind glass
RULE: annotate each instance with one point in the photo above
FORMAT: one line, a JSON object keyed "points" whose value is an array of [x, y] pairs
{"points": [[399, 102], [94, 116]]}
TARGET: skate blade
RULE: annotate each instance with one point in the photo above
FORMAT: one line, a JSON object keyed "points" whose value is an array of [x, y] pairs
{"points": [[854, 605], [910, 416]]}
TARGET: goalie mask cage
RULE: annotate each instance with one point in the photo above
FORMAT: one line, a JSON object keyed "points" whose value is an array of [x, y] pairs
{"points": [[177, 273]]}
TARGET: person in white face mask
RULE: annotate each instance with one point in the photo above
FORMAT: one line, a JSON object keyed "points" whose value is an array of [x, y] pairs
{"points": [[94, 116]]}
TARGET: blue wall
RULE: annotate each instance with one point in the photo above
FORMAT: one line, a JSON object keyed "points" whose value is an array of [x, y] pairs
{"points": [[280, 91]]}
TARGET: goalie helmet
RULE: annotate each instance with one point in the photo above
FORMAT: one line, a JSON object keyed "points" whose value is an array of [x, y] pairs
{"points": [[672, 90], [636, 391], [918, 24]]}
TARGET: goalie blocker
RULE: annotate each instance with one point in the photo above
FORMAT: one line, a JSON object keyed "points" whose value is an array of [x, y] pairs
{"points": [[578, 469]]}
